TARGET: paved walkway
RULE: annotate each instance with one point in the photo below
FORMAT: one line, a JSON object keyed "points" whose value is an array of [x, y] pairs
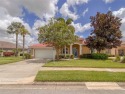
{"points": [[85, 69], [22, 72]]}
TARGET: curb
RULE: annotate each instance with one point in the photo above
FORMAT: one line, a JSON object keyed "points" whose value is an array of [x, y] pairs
{"points": [[61, 83]]}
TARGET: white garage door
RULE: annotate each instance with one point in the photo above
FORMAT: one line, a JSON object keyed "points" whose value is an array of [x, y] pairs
{"points": [[44, 53]]}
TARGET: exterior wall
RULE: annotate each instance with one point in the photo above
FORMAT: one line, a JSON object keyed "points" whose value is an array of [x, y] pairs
{"points": [[85, 50], [32, 52], [121, 50], [113, 51]]}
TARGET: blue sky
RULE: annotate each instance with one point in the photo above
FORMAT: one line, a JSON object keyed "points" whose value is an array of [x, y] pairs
{"points": [[35, 13]]}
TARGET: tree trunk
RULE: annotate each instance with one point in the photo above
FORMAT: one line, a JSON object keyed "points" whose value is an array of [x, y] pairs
{"points": [[57, 53], [16, 54], [65, 51], [23, 45], [91, 50], [98, 51]]}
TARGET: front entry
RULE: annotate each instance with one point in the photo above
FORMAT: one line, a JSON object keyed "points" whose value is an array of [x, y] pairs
{"points": [[75, 52]]}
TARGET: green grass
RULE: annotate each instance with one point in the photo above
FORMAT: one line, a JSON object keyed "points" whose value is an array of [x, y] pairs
{"points": [[79, 76], [86, 63], [6, 60]]}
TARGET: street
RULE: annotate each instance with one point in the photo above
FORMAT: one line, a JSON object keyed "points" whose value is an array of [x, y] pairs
{"points": [[52, 89]]}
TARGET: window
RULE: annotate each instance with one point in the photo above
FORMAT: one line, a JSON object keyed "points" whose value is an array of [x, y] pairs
{"points": [[121, 52], [108, 51], [63, 51]]}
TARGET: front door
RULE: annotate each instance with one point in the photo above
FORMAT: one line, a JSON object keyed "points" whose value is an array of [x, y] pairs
{"points": [[75, 52]]}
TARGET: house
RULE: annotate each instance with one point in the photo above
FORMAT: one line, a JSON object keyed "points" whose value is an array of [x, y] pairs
{"points": [[48, 51], [78, 48], [8, 46]]}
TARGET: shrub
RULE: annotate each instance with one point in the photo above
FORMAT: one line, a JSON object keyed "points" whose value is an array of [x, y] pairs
{"points": [[117, 58], [111, 55], [21, 54], [27, 56], [99, 56], [7, 54], [1, 51], [86, 56], [122, 60], [61, 56], [72, 56], [67, 56]]}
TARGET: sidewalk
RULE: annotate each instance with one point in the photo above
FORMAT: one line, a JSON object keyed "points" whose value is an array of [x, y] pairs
{"points": [[84, 69]]}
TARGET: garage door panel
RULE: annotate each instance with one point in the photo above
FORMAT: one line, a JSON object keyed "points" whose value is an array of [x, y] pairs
{"points": [[44, 53]]}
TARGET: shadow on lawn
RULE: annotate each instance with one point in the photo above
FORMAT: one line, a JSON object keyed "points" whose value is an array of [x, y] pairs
{"points": [[36, 61]]}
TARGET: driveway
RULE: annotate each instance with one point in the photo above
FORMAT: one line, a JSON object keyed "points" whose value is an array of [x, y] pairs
{"points": [[22, 72]]}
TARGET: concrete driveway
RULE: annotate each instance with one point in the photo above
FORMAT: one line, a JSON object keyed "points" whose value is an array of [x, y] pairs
{"points": [[22, 72]]}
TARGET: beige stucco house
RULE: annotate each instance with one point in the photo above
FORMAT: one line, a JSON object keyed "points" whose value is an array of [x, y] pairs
{"points": [[78, 48]]}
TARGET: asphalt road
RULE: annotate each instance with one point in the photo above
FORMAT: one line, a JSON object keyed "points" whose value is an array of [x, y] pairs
{"points": [[50, 89]]}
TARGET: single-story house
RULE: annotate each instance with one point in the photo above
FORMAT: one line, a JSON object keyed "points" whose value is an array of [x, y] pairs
{"points": [[78, 48], [8, 46]]}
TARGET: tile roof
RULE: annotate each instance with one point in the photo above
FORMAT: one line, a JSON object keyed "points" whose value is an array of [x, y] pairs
{"points": [[42, 45], [80, 38], [9, 45]]}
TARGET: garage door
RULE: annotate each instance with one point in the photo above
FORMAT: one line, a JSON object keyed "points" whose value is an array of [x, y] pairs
{"points": [[44, 53]]}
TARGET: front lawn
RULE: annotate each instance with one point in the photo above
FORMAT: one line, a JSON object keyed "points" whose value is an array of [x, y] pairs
{"points": [[6, 60], [86, 63], [80, 76]]}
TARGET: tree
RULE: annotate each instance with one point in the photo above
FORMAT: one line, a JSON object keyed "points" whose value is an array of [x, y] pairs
{"points": [[15, 28], [58, 33], [24, 32], [106, 33]]}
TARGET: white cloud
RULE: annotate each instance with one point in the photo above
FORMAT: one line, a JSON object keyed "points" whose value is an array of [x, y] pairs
{"points": [[76, 2], [41, 8], [81, 36], [81, 28], [66, 12], [12, 11], [5, 21], [85, 11], [108, 1], [121, 14]]}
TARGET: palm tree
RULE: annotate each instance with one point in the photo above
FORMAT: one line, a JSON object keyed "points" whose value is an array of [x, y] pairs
{"points": [[24, 32], [14, 28]]}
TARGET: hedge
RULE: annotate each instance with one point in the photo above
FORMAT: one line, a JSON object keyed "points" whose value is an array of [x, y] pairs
{"points": [[95, 56]]}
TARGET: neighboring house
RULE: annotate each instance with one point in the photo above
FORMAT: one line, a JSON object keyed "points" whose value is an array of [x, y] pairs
{"points": [[121, 49], [8, 46], [78, 48]]}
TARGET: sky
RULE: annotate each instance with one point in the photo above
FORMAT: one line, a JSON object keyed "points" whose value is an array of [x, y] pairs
{"points": [[35, 13]]}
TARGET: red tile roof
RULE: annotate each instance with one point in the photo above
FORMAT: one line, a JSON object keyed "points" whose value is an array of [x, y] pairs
{"points": [[42, 45], [80, 38]]}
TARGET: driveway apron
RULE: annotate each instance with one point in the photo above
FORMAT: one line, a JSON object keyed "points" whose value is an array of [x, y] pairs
{"points": [[22, 72]]}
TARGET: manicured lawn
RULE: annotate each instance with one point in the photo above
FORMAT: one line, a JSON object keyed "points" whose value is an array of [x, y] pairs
{"points": [[80, 76], [87, 63], [6, 60]]}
